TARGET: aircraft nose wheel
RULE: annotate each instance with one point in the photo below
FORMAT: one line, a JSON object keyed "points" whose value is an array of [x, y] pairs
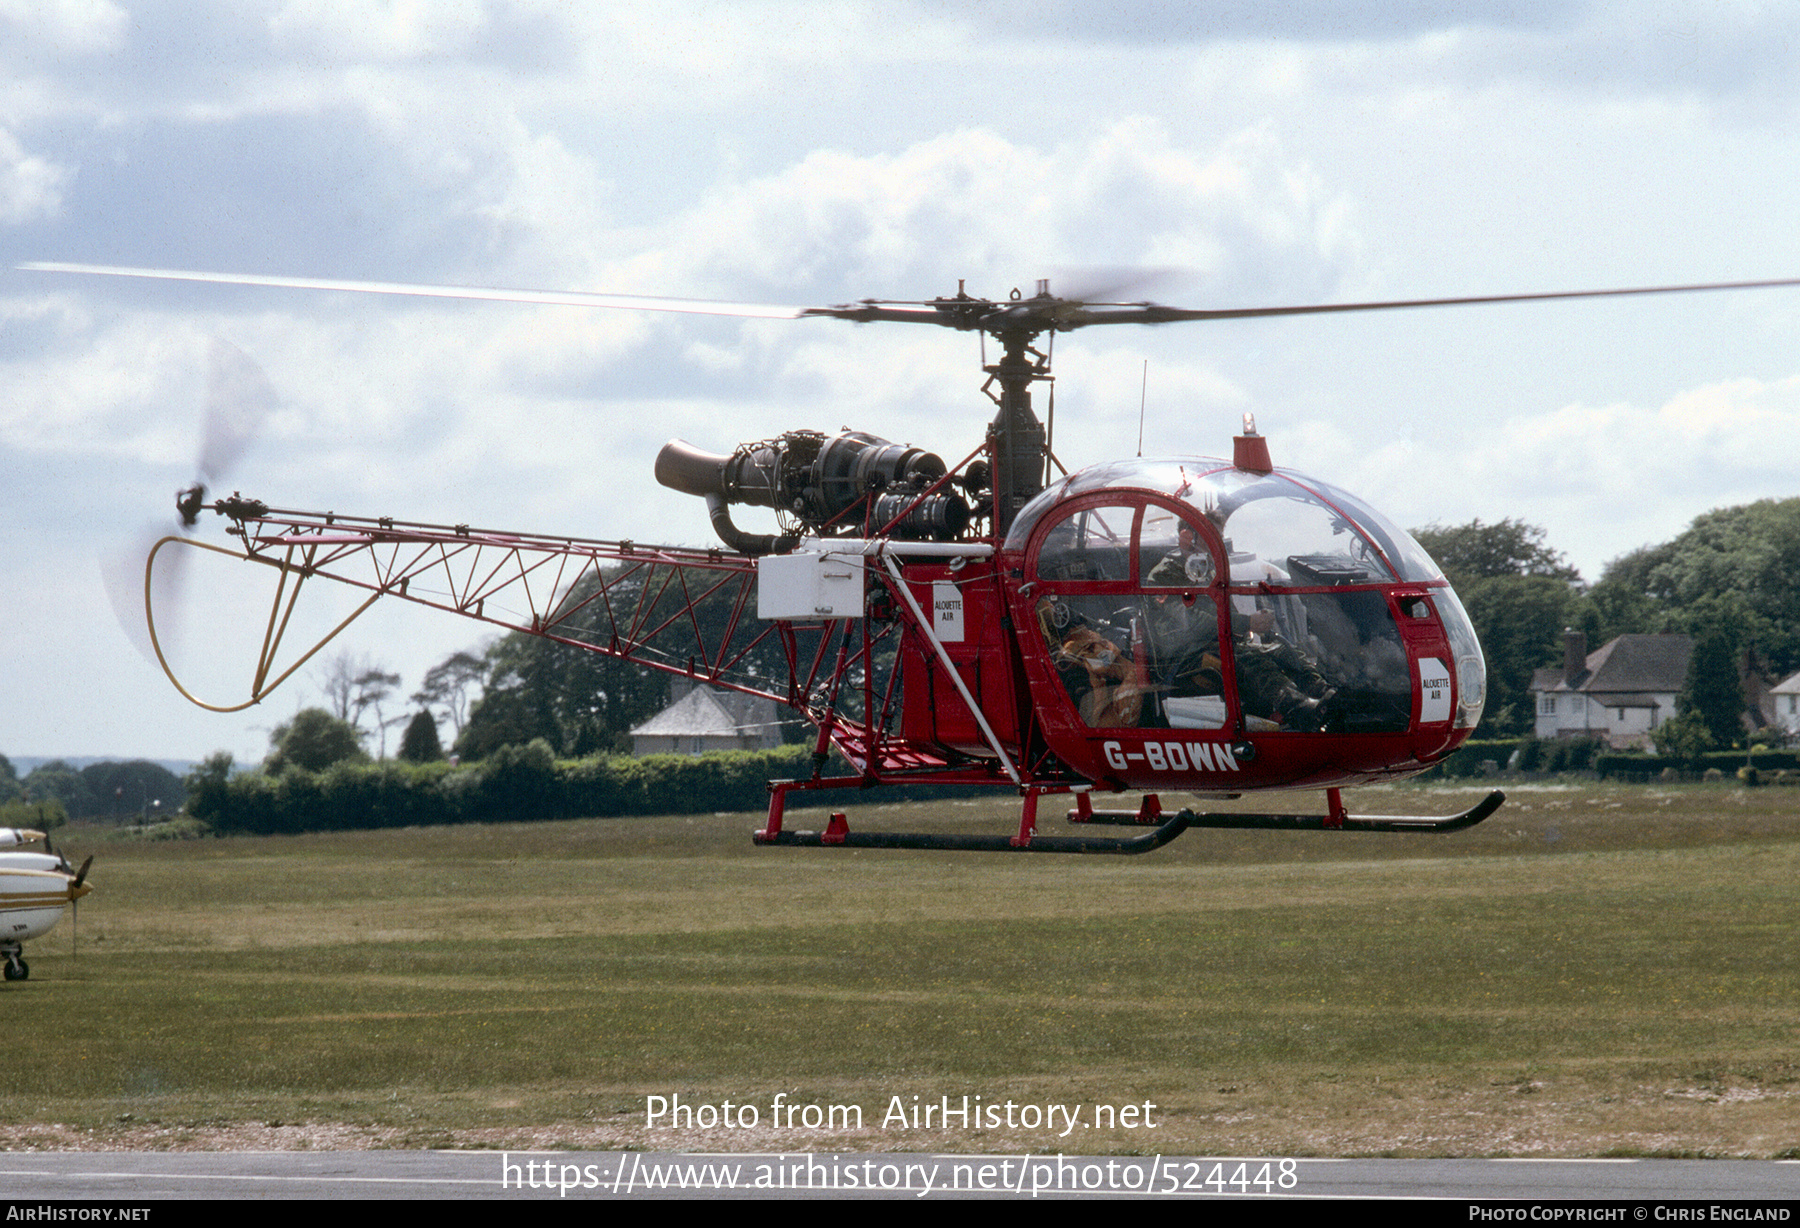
{"points": [[16, 967]]}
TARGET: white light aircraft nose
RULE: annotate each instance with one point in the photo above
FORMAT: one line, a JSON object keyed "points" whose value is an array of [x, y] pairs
{"points": [[35, 889]]}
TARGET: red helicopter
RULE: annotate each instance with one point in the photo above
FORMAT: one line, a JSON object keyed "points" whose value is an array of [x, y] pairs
{"points": [[1160, 625]]}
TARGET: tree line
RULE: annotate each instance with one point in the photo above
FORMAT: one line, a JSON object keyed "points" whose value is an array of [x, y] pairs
{"points": [[116, 791], [1731, 580]]}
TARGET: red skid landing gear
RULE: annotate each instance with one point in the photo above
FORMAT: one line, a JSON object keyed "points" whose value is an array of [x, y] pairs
{"points": [[838, 834], [1335, 820]]}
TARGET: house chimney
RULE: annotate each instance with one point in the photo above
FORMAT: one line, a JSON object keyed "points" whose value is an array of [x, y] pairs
{"points": [[1574, 655]]}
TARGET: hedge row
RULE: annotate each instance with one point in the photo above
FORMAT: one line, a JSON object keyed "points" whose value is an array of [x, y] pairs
{"points": [[1725, 761], [1590, 754], [34, 816], [1520, 754], [515, 784], [527, 783]]}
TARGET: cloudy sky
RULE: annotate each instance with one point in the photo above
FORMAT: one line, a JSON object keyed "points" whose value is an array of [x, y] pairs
{"points": [[1255, 153]]}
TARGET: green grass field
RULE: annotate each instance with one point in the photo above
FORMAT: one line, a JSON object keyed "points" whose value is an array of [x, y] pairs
{"points": [[1596, 970]]}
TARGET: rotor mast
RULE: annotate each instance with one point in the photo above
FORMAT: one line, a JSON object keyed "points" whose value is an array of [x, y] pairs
{"points": [[1019, 441]]}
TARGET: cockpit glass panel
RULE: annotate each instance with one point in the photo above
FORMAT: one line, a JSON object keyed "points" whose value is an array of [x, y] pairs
{"points": [[1171, 552], [1096, 645], [1279, 626], [1138, 660], [1183, 478], [1293, 537], [1277, 517], [1471, 667], [1408, 556], [1320, 662], [1092, 545]]}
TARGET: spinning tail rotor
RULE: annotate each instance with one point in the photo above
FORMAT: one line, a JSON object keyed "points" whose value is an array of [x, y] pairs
{"points": [[238, 402]]}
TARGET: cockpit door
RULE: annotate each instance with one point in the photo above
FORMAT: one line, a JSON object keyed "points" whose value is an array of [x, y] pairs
{"points": [[1125, 596]]}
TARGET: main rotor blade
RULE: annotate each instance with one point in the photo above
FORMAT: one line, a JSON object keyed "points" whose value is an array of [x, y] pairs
{"points": [[567, 298], [1050, 312], [1062, 314], [1152, 313], [1124, 284]]}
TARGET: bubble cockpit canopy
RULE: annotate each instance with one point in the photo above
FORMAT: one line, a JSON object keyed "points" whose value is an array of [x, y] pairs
{"points": [[1278, 515], [1297, 564]]}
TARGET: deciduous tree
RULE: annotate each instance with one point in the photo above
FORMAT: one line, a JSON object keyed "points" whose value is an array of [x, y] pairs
{"points": [[1520, 595], [137, 787], [58, 781], [448, 684], [10, 788], [314, 740], [1477, 551], [1737, 563]]}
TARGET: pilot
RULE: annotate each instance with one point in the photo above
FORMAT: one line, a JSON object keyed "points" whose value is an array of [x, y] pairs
{"points": [[1276, 681], [1184, 634]]}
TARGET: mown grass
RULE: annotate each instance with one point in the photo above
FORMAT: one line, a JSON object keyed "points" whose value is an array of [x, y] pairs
{"points": [[1598, 969]]}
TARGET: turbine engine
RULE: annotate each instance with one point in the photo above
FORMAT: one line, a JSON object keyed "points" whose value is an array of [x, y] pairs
{"points": [[812, 480]]}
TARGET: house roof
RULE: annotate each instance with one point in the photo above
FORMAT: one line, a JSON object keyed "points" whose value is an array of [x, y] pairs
{"points": [[696, 714], [704, 712], [1629, 666], [1787, 686]]}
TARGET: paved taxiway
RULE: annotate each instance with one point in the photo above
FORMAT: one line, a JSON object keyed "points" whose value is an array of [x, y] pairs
{"points": [[151, 1176]]}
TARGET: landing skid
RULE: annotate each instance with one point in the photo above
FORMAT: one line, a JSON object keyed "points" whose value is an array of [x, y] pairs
{"points": [[838, 835], [1336, 818], [1166, 827]]}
